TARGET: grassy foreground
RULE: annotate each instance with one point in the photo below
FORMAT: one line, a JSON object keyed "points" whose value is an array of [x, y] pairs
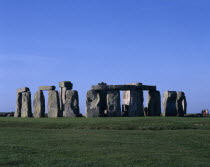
{"points": [[105, 142]]}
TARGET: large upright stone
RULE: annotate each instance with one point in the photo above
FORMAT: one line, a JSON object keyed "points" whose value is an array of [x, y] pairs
{"points": [[53, 104], [181, 104], [71, 104], [134, 100], [26, 105], [169, 103], [39, 104], [93, 104], [18, 105], [113, 104], [62, 95], [154, 103]]}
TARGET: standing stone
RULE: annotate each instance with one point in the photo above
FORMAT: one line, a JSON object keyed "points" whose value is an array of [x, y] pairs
{"points": [[113, 104], [53, 104], [154, 103], [134, 100], [93, 104], [18, 105], [181, 104], [62, 95], [39, 104], [26, 105], [169, 103], [71, 104]]}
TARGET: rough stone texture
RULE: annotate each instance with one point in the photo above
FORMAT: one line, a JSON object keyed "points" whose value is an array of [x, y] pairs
{"points": [[154, 103], [113, 103], [71, 104], [21, 90], [169, 103], [26, 105], [39, 104], [66, 84], [181, 104], [93, 104], [62, 95], [18, 105], [53, 104], [123, 87], [134, 99], [47, 88]]}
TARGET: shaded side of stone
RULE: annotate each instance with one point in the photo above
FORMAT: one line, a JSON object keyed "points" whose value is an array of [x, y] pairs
{"points": [[26, 110], [154, 103], [93, 104], [18, 105], [181, 104], [113, 104], [169, 103], [71, 104], [134, 99], [39, 104], [66, 84], [53, 104]]}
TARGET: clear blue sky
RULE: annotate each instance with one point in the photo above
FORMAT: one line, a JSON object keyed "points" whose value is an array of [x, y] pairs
{"points": [[156, 42]]}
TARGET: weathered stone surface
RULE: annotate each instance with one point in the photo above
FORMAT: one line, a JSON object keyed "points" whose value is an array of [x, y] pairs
{"points": [[47, 88], [21, 90], [93, 104], [62, 95], [154, 103], [66, 84], [113, 103], [39, 104], [169, 103], [123, 87], [181, 104], [26, 105], [71, 104], [18, 105], [134, 100], [53, 104]]}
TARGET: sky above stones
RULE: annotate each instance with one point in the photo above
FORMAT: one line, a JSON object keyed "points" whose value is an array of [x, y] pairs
{"points": [[164, 43]]}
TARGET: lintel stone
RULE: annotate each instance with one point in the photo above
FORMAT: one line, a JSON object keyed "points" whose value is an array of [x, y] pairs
{"points": [[22, 90], [66, 84], [123, 87], [47, 88]]}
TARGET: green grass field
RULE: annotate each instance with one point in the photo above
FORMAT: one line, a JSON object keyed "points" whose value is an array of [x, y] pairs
{"points": [[105, 142]]}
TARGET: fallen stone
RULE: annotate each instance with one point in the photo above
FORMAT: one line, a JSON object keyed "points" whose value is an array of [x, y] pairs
{"points": [[71, 104], [39, 104], [26, 105], [21, 90], [53, 104], [93, 104], [181, 104], [47, 88], [66, 84], [154, 103], [113, 104], [18, 105], [169, 103]]}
